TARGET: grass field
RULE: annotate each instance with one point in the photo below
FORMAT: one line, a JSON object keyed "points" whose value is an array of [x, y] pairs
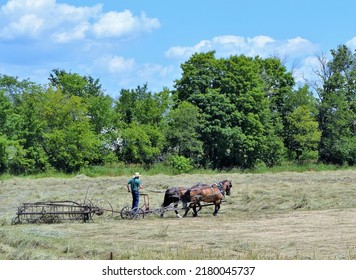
{"points": [[285, 215]]}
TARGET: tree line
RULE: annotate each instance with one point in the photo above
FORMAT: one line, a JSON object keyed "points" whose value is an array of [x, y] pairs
{"points": [[235, 112]]}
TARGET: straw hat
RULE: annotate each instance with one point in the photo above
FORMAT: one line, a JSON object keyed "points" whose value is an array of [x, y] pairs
{"points": [[136, 175]]}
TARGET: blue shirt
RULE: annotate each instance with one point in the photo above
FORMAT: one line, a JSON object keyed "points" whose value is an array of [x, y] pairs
{"points": [[135, 184]]}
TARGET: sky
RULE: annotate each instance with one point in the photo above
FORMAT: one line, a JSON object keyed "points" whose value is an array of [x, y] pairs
{"points": [[128, 43]]}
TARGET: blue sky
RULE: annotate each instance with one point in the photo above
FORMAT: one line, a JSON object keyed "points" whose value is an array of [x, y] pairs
{"points": [[126, 43]]}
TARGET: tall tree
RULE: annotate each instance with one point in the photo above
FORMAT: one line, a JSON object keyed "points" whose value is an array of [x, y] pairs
{"points": [[141, 106], [99, 105], [236, 120], [23, 126], [69, 141], [181, 131], [304, 135], [337, 113], [141, 114]]}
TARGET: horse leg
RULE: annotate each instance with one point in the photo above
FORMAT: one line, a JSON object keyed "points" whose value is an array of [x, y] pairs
{"points": [[200, 207], [162, 211], [176, 211], [186, 212], [195, 213], [217, 207]]}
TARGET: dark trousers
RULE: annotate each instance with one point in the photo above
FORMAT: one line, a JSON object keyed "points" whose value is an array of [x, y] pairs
{"points": [[135, 199]]}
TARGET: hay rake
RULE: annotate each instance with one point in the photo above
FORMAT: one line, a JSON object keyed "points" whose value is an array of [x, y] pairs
{"points": [[57, 211]]}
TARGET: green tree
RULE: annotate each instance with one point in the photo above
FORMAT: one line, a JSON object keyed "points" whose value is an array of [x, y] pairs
{"points": [[69, 140], [337, 112], [278, 85], [304, 135], [99, 106], [31, 129], [5, 111], [22, 125], [141, 106], [141, 144], [200, 73], [141, 124], [181, 132], [300, 121], [236, 120], [3, 153]]}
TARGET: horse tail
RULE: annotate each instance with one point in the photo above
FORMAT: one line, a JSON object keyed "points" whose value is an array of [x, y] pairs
{"points": [[165, 200], [170, 196]]}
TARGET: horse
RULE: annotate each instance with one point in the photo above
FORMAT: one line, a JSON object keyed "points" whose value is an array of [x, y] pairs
{"points": [[173, 195], [214, 193]]}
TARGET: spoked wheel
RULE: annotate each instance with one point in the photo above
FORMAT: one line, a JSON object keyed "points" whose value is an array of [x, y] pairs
{"points": [[101, 208], [128, 213], [137, 213], [125, 212]]}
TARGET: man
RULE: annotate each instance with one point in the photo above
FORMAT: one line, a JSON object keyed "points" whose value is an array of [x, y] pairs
{"points": [[134, 186]]}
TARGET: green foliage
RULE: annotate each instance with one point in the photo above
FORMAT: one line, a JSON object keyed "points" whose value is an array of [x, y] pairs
{"points": [[228, 113], [140, 118], [99, 106], [141, 144], [181, 164], [3, 153], [181, 131], [5, 111], [303, 134], [337, 112], [236, 120], [142, 106], [68, 139]]}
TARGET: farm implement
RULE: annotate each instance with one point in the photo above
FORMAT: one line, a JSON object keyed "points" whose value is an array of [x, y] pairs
{"points": [[57, 211], [139, 213], [70, 211]]}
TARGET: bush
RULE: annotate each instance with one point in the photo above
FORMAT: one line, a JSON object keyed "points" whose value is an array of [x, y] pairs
{"points": [[181, 164]]}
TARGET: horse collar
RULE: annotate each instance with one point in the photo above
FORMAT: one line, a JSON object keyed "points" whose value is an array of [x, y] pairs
{"points": [[221, 188]]}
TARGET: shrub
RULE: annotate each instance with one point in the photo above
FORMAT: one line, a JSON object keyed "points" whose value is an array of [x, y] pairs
{"points": [[181, 164]]}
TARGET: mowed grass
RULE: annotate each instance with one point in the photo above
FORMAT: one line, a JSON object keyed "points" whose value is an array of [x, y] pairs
{"points": [[286, 215]]}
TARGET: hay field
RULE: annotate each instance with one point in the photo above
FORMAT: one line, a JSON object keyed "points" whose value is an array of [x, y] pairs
{"points": [[286, 215]]}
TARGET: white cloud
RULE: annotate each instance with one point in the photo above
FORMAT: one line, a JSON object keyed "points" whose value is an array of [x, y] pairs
{"points": [[296, 47], [30, 25], [13, 7], [115, 64], [352, 43], [114, 24], [263, 46], [304, 71], [127, 73], [63, 23], [150, 71], [77, 33]]}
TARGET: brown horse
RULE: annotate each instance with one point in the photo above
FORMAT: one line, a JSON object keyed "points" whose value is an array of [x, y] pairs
{"points": [[173, 195], [214, 193]]}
